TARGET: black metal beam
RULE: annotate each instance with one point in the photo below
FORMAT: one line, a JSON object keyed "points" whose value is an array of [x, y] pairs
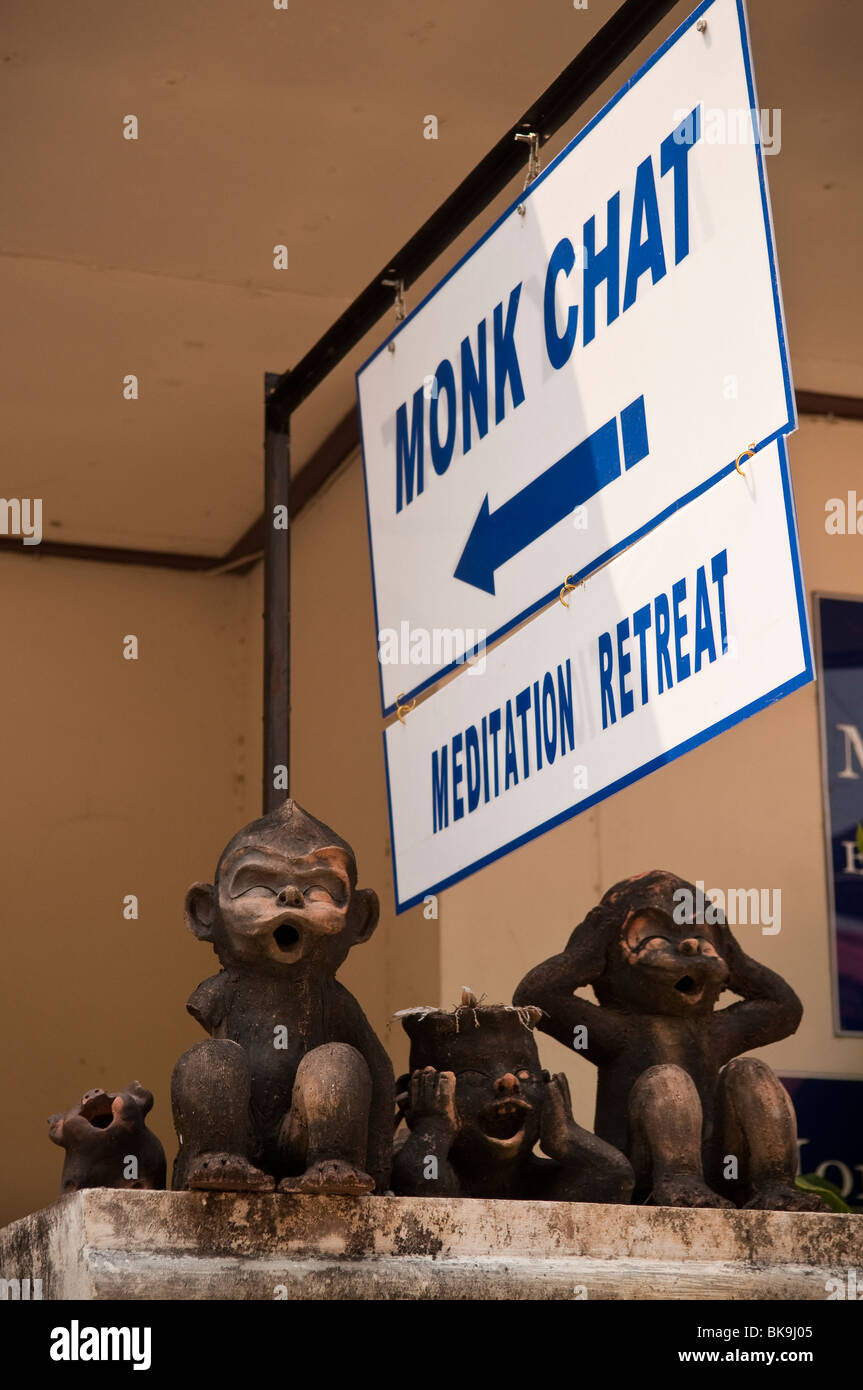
{"points": [[277, 614], [822, 403], [596, 62], [109, 555]]}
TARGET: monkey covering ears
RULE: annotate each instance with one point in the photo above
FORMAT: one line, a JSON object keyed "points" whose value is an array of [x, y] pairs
{"points": [[701, 1126], [292, 1087]]}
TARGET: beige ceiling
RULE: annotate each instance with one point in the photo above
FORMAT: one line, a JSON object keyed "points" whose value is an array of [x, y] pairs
{"points": [[304, 127]]}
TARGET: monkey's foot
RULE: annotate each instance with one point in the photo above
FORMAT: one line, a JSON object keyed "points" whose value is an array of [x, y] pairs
{"points": [[784, 1196], [224, 1172], [684, 1190], [331, 1177]]}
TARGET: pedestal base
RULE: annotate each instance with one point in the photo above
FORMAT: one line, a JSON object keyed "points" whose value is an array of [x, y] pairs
{"points": [[105, 1244]]}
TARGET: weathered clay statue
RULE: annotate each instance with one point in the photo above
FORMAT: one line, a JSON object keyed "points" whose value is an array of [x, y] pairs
{"points": [[107, 1141], [702, 1126], [292, 1088], [476, 1104]]}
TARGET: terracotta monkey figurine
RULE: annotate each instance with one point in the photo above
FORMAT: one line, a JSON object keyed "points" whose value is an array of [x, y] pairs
{"points": [[673, 1092], [292, 1088], [476, 1104], [107, 1141]]}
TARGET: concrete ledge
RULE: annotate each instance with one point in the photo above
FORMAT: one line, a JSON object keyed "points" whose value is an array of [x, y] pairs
{"points": [[106, 1244]]}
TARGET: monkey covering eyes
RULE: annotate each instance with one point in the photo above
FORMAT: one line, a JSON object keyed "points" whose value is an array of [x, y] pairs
{"points": [[292, 1087], [702, 1126]]}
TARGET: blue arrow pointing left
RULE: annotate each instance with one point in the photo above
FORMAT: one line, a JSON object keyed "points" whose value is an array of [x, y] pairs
{"points": [[496, 537]]}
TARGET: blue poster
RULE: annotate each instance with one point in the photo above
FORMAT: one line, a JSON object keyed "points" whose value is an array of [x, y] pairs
{"points": [[840, 627], [830, 1129]]}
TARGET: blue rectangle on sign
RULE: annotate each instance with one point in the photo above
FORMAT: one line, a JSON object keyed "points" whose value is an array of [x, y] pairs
{"points": [[633, 429], [840, 627], [830, 1129]]}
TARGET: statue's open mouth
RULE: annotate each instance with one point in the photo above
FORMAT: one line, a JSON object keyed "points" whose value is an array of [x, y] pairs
{"points": [[98, 1111], [286, 936], [504, 1120], [688, 987]]}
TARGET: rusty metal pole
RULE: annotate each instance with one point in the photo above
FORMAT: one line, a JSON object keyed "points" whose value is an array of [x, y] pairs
{"points": [[277, 601]]}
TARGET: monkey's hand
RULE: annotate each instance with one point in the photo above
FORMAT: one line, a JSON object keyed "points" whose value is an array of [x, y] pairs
{"points": [[767, 1009], [559, 1136], [586, 951], [433, 1125], [432, 1103], [745, 975]]}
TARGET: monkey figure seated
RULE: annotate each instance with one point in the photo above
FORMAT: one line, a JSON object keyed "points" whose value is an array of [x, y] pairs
{"points": [[292, 1088], [477, 1103], [702, 1126]]}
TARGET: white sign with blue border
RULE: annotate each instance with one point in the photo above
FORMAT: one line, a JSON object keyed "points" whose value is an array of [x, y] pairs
{"points": [[698, 625], [597, 360]]}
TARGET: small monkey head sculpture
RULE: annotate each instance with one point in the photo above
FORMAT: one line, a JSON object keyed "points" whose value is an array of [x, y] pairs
{"points": [[285, 892], [500, 1087], [666, 947], [107, 1142]]}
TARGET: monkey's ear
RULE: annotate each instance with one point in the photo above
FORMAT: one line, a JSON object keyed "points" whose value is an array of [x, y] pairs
{"points": [[367, 910], [201, 910], [140, 1094], [55, 1129]]}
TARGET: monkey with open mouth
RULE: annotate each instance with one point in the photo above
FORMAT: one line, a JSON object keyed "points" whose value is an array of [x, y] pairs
{"points": [[702, 1126]]}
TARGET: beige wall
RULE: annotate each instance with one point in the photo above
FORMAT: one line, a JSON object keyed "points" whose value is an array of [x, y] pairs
{"points": [[128, 777], [119, 777]]}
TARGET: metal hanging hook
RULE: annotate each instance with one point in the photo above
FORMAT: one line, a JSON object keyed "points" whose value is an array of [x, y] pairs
{"points": [[567, 589], [398, 303], [403, 709], [531, 138], [534, 165], [747, 453]]}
